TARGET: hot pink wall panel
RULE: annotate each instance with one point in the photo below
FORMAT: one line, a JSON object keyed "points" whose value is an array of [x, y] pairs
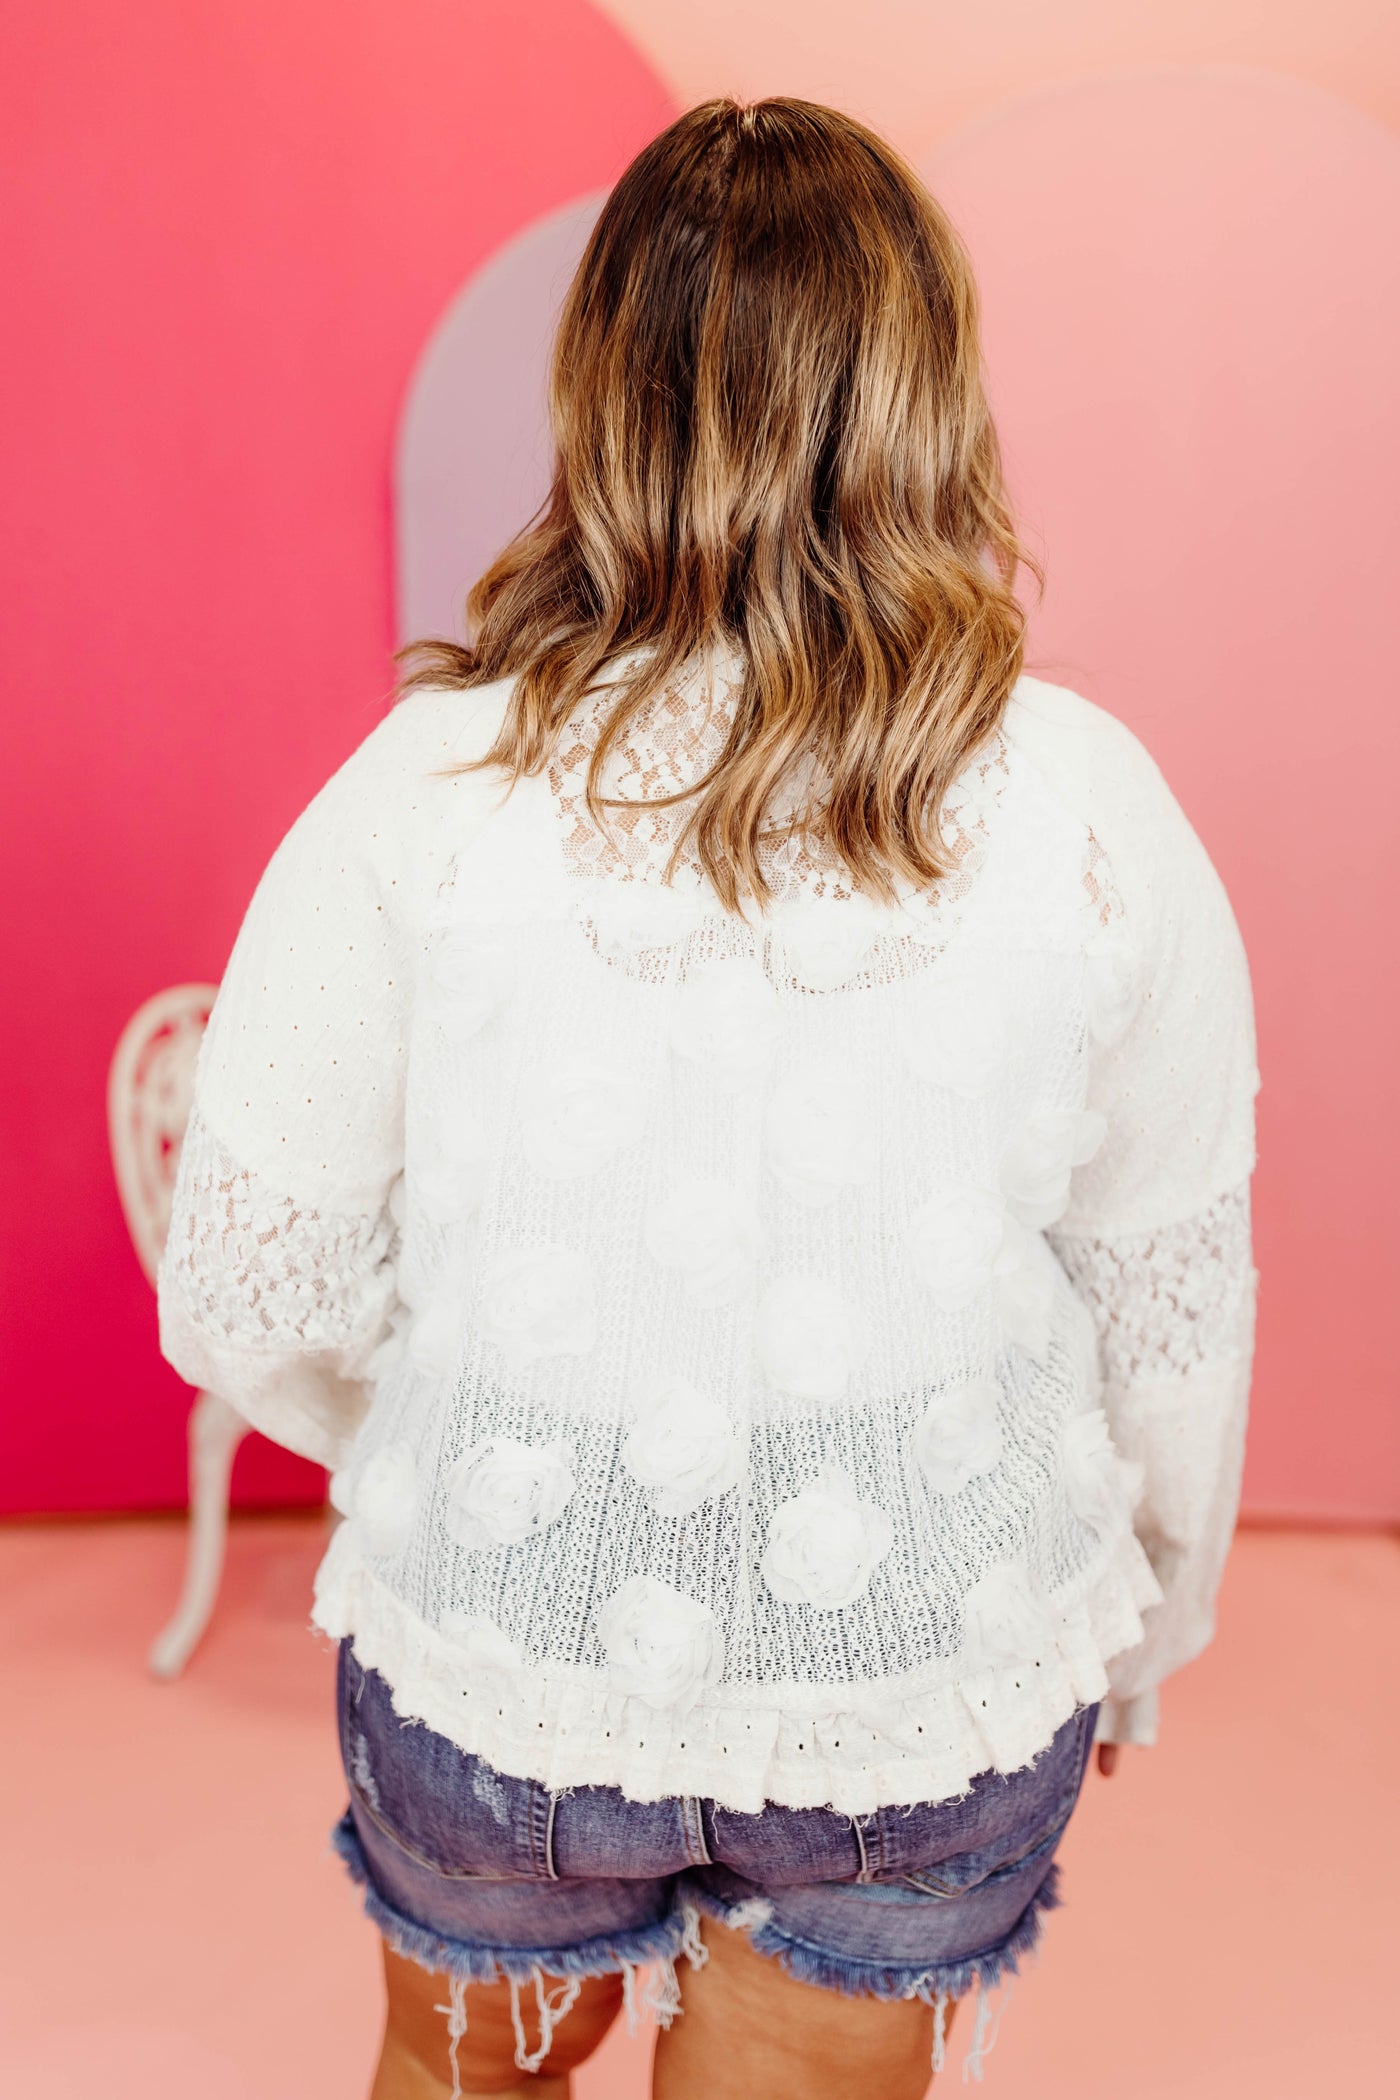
{"points": [[1192, 290], [235, 228]]}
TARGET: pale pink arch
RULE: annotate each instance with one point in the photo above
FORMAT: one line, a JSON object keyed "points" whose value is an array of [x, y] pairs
{"points": [[1191, 285], [474, 445]]}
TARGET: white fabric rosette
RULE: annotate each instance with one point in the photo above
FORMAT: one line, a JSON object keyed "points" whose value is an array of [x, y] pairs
{"points": [[502, 1492], [1037, 1162], [629, 917], [379, 1498], [808, 1338], [471, 972], [955, 1241], [683, 1448], [579, 1117], [959, 1437], [727, 1019], [820, 1136], [1110, 983], [662, 1647], [828, 940], [957, 1031], [435, 1335], [447, 1181], [824, 1544], [963, 1240], [1003, 1621], [1102, 1485], [538, 1302], [710, 1234], [485, 1647]]}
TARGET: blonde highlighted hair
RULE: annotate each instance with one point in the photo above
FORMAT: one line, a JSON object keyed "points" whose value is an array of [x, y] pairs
{"points": [[772, 442]]}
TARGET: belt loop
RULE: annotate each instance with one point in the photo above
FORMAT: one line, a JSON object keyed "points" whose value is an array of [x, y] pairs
{"points": [[550, 1869], [693, 1823], [866, 1872]]}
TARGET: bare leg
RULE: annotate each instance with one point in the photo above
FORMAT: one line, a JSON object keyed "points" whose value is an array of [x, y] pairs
{"points": [[414, 2063], [749, 2031]]}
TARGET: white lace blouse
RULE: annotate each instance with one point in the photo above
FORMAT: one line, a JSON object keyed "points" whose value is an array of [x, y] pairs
{"points": [[790, 1357]]}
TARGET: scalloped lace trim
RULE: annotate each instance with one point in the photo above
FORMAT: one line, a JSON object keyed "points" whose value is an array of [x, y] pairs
{"points": [[903, 1743]]}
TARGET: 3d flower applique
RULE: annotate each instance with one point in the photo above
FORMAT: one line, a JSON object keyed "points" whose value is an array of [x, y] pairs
{"points": [[447, 1180], [1025, 1290], [662, 1647], [629, 917], [820, 1136], [959, 1436], [964, 1240], [379, 1497], [1038, 1160], [710, 1234], [469, 979], [808, 1337], [1003, 1621], [388, 1352], [539, 1301], [435, 1334], [502, 1492], [727, 1019], [957, 1031], [683, 1447], [824, 1544], [1111, 989], [579, 1117], [956, 1238], [826, 941], [484, 1646], [1102, 1486]]}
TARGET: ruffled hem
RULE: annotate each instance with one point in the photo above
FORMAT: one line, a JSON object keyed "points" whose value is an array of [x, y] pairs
{"points": [[902, 1742]]}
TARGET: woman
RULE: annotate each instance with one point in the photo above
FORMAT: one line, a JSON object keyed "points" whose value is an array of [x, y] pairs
{"points": [[728, 1128]]}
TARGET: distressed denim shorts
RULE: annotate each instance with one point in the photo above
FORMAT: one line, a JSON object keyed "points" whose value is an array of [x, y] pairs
{"points": [[468, 1871]]}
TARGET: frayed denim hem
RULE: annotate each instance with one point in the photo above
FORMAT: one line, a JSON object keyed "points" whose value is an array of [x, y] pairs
{"points": [[937, 1985], [857, 1979], [603, 1956]]}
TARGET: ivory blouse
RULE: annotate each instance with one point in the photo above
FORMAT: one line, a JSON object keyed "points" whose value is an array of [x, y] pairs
{"points": [[792, 1356]]}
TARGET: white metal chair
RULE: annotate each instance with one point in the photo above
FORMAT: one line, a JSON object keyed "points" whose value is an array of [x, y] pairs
{"points": [[148, 1105]]}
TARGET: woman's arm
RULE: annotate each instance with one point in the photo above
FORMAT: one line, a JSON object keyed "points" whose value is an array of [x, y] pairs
{"points": [[1157, 1236], [278, 1278]]}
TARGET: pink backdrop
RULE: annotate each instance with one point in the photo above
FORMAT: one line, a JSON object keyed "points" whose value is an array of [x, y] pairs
{"points": [[237, 226], [236, 237]]}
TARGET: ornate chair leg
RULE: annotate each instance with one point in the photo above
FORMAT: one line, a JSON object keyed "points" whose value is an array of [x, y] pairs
{"points": [[215, 1432]]}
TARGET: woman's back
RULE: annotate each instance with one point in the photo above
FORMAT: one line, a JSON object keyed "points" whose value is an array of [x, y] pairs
{"points": [[735, 1429]]}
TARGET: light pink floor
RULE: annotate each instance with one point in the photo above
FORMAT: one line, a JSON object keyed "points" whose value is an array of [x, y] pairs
{"points": [[174, 1928]]}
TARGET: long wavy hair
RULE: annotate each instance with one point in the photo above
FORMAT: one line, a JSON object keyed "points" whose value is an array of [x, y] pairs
{"points": [[773, 443]]}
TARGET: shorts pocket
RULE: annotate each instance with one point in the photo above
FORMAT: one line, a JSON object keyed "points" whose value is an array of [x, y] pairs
{"points": [[446, 1809], [957, 1877]]}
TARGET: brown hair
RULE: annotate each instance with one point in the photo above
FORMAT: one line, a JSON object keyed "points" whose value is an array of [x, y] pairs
{"points": [[772, 438]]}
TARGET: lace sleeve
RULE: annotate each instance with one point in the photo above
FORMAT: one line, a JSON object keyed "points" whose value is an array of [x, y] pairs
{"points": [[277, 1280], [1174, 1313], [271, 1303]]}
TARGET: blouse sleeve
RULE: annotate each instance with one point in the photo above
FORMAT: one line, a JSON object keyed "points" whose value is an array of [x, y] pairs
{"points": [[278, 1277], [1157, 1236]]}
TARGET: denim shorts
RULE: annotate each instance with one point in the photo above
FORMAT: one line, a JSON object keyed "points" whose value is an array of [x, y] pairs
{"points": [[485, 1877]]}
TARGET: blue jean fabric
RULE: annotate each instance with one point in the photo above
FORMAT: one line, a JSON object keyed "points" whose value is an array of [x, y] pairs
{"points": [[484, 1876]]}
